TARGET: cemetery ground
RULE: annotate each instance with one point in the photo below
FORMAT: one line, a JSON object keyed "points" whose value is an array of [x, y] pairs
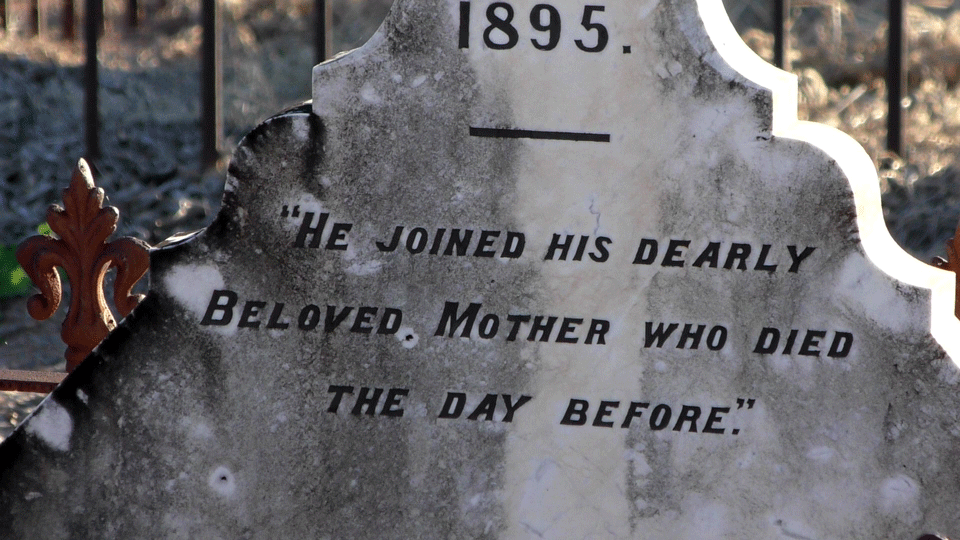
{"points": [[150, 138]]}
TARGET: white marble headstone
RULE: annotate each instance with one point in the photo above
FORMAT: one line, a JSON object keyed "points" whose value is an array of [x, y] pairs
{"points": [[523, 269]]}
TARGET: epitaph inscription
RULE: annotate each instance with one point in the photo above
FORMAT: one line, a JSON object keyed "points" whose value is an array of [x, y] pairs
{"points": [[521, 270]]}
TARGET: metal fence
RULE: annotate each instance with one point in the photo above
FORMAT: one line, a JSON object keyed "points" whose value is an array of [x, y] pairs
{"points": [[211, 123], [211, 69]]}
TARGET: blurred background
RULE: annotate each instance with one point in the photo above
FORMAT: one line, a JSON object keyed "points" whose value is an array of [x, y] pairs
{"points": [[150, 143]]}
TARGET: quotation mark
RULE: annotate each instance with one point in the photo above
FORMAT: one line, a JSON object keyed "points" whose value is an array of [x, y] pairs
{"points": [[740, 404], [286, 213]]}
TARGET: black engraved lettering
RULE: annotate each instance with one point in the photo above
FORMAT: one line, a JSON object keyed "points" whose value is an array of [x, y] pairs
{"points": [[791, 339], [567, 327], [484, 244], [738, 254], [486, 408], [216, 306], [453, 405], [450, 319], [709, 256], [810, 343], [659, 335], [307, 228], [660, 417], [840, 347], [274, 322], [516, 320], [390, 323], [635, 411], [581, 247], [391, 405], [762, 260], [513, 247], [464, 39], [689, 334], [309, 317], [437, 240], [511, 407], [489, 325], [416, 240], [602, 254], [459, 243], [394, 242], [363, 323], [338, 233], [557, 245], [603, 411], [715, 418], [797, 259], [674, 251], [767, 341], [502, 25], [552, 26], [598, 329], [367, 401], [688, 413], [646, 252], [333, 319], [541, 327], [716, 338], [250, 311], [576, 414], [338, 392]]}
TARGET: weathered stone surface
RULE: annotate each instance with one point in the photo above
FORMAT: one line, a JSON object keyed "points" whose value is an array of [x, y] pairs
{"points": [[678, 313]]}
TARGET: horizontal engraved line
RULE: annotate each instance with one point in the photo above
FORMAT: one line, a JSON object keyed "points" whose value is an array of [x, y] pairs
{"points": [[507, 133]]}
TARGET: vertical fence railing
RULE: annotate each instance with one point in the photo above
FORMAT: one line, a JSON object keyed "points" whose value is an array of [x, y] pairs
{"points": [[896, 75], [212, 77], [896, 79], [322, 36], [133, 15], [68, 21], [93, 16], [33, 18], [211, 115], [211, 84], [781, 45]]}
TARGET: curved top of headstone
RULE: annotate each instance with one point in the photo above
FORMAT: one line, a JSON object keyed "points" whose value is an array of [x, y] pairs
{"points": [[522, 270], [666, 67]]}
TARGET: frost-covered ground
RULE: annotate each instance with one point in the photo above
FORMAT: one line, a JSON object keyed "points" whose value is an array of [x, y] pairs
{"points": [[150, 138]]}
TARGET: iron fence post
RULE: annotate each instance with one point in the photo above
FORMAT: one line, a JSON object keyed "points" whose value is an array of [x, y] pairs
{"points": [[322, 37], [133, 15], [33, 18], [781, 37], [896, 79], [93, 16], [67, 23], [211, 81]]}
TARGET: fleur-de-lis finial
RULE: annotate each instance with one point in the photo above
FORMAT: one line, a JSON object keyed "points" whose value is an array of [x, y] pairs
{"points": [[83, 252], [952, 263]]}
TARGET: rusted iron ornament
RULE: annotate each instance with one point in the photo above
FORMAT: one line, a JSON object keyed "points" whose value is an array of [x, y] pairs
{"points": [[83, 227], [952, 263]]}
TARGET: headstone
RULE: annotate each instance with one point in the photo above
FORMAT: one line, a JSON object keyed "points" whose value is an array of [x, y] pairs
{"points": [[522, 269]]}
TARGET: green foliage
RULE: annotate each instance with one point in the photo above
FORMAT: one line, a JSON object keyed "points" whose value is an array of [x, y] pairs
{"points": [[13, 280]]}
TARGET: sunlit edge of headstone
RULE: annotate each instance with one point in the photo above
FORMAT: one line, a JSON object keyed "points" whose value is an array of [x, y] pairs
{"points": [[783, 85], [856, 165], [320, 93]]}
